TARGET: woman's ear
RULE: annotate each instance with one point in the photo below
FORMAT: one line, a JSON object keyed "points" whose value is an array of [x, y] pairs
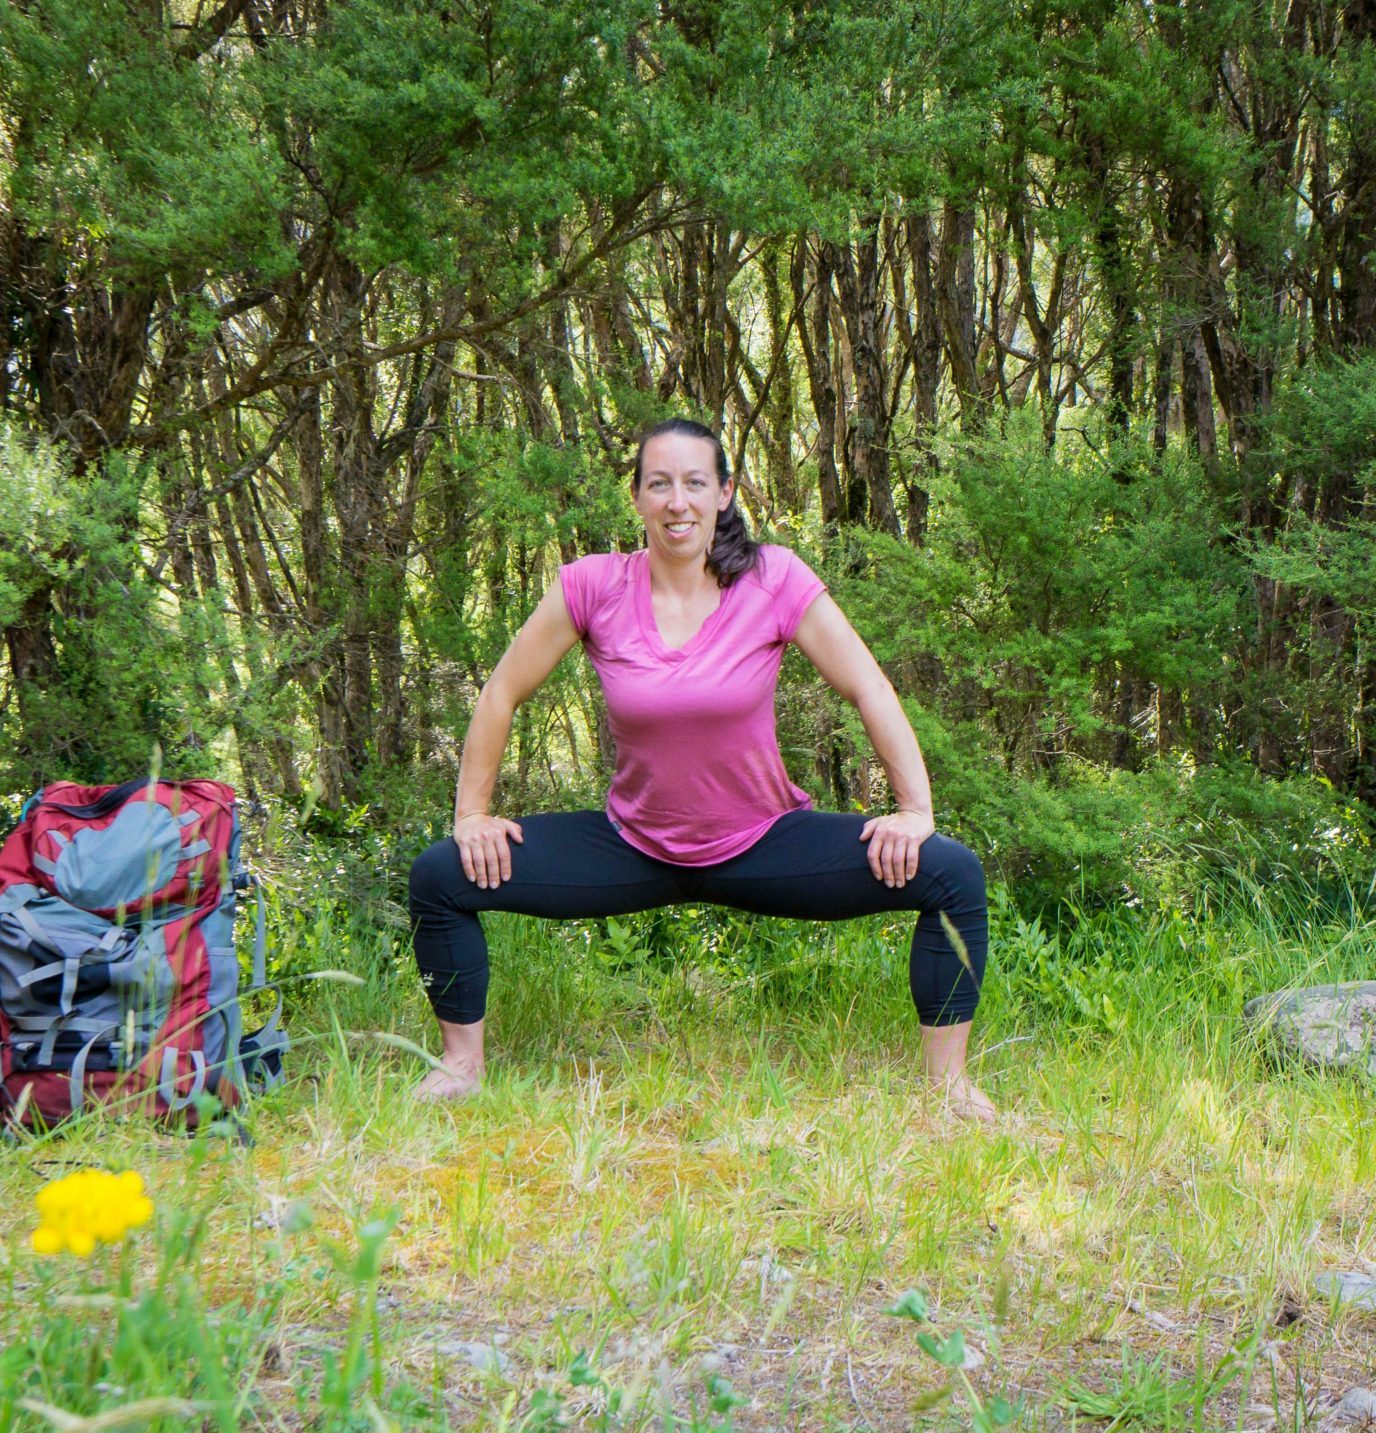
{"points": [[727, 493]]}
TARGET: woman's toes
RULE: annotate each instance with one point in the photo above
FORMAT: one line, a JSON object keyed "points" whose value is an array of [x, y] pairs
{"points": [[967, 1101], [443, 1084]]}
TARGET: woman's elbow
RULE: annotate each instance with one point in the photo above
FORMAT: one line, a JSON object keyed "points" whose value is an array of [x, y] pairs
{"points": [[498, 698], [872, 694]]}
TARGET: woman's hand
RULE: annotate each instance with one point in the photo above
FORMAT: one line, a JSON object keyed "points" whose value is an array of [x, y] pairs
{"points": [[894, 841], [483, 849]]}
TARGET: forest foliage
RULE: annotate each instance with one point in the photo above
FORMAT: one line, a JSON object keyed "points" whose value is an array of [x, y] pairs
{"points": [[1046, 332]]}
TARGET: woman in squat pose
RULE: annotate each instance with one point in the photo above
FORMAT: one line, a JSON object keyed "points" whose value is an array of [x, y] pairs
{"points": [[687, 636]]}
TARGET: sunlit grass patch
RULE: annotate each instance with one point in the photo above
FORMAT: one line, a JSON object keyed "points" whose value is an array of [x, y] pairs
{"points": [[689, 1202]]}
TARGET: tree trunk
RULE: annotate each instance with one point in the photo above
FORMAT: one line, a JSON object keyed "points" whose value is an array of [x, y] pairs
{"points": [[777, 403], [1357, 230], [815, 334], [356, 477], [1115, 271], [867, 440], [1043, 324], [955, 303], [926, 361]]}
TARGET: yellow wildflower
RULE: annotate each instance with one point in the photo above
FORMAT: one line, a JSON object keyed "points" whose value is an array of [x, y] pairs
{"points": [[89, 1207]]}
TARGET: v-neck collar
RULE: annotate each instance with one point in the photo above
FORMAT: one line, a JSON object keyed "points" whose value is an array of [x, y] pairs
{"points": [[645, 608]]}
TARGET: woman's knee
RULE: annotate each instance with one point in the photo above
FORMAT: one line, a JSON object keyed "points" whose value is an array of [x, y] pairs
{"points": [[437, 877], [963, 872]]}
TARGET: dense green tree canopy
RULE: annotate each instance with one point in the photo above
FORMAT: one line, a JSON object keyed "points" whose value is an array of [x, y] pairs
{"points": [[1045, 331]]}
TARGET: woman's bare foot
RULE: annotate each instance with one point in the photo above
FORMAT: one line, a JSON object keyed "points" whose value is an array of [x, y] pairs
{"points": [[943, 1058], [461, 1065], [965, 1099], [447, 1084]]}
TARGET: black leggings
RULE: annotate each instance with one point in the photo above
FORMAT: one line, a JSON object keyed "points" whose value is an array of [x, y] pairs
{"points": [[810, 865]]}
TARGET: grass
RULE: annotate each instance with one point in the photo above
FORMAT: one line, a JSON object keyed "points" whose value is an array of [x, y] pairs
{"points": [[705, 1188]]}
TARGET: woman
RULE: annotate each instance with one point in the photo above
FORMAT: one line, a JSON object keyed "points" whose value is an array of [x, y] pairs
{"points": [[687, 636]]}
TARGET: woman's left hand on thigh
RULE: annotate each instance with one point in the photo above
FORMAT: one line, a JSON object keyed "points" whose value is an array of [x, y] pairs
{"points": [[893, 844]]}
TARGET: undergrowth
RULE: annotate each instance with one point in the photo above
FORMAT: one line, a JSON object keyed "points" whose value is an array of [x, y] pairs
{"points": [[705, 1188]]}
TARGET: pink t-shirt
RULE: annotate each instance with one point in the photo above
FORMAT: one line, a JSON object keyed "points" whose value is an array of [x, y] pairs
{"points": [[699, 777]]}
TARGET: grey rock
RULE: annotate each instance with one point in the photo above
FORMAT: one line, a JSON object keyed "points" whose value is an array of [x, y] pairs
{"points": [[1358, 1290], [720, 1356], [1323, 1025], [1357, 1405], [485, 1357]]}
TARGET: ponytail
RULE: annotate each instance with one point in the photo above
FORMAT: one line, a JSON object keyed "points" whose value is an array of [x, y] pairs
{"points": [[733, 550]]}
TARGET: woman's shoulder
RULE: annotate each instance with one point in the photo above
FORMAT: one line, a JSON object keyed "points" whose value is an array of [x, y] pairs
{"points": [[777, 566], [591, 582], [602, 566], [789, 586]]}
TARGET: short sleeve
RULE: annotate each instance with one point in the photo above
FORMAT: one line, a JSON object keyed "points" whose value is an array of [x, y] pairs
{"points": [[586, 583], [576, 579], [794, 585]]}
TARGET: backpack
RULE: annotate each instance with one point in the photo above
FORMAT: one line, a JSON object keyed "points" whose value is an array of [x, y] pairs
{"points": [[119, 979]]}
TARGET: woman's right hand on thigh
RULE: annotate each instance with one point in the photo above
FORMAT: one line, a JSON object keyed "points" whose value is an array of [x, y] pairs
{"points": [[483, 848]]}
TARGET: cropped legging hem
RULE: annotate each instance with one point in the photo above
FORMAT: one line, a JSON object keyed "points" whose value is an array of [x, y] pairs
{"points": [[810, 865]]}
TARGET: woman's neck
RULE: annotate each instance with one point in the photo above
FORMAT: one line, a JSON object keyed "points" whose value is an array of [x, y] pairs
{"points": [[681, 580]]}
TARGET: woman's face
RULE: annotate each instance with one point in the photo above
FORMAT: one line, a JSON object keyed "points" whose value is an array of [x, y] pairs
{"points": [[679, 496]]}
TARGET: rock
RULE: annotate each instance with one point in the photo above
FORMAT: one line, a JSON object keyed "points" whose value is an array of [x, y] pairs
{"points": [[1151, 1316], [291, 1216], [770, 1272], [719, 1358], [1324, 1025], [485, 1357], [1357, 1290], [1357, 1405], [1270, 1350]]}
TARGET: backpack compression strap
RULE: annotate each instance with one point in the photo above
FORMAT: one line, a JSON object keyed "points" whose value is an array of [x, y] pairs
{"points": [[113, 799]]}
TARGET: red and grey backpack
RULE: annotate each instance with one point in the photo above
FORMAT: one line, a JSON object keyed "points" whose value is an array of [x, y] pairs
{"points": [[119, 979]]}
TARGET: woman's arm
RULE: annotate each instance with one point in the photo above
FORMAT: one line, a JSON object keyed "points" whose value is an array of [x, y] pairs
{"points": [[547, 636], [835, 648]]}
